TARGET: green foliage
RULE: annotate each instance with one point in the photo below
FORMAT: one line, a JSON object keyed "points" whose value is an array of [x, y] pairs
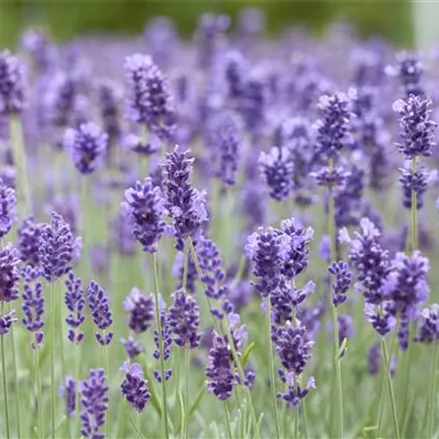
{"points": [[70, 18]]}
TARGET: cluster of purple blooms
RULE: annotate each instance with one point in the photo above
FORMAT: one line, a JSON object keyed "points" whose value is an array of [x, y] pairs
{"points": [[262, 134]]}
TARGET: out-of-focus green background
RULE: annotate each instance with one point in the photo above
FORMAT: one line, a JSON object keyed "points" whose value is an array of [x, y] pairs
{"points": [[68, 18]]}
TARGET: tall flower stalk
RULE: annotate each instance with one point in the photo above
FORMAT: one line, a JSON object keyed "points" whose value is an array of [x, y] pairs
{"points": [[12, 103], [333, 134], [56, 253]]}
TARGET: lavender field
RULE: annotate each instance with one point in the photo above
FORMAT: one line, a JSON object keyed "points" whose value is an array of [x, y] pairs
{"points": [[224, 237]]}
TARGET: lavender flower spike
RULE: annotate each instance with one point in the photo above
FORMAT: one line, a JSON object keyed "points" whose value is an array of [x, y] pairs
{"points": [[28, 241], [12, 99], [429, 326], [276, 168], [87, 145], [6, 322], [94, 401], [220, 378], [333, 129], [141, 310], [75, 303], [343, 279], [146, 207], [100, 311], [8, 215], [68, 391], [185, 204], [33, 310], [9, 273], [184, 319], [149, 99], [134, 388], [417, 128], [56, 249], [268, 249]]}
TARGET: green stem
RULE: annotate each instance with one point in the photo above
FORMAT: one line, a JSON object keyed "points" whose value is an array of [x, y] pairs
{"points": [[338, 391], [231, 344], [186, 390], [39, 395], [432, 404], [296, 423], [386, 372], [305, 419], [15, 377], [160, 337], [107, 374], [414, 213], [271, 360], [20, 163], [381, 401], [61, 335], [337, 365], [185, 266], [5, 381], [390, 386], [52, 355], [229, 427]]}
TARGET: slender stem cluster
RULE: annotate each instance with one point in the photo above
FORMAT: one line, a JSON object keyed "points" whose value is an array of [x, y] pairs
{"points": [[165, 431]]}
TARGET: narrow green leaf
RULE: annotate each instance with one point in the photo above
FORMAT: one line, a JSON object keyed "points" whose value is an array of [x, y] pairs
{"points": [[247, 353], [154, 400], [136, 428], [194, 406], [182, 418]]}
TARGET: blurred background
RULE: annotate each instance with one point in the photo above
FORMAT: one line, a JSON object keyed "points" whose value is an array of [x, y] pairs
{"points": [[65, 19]]}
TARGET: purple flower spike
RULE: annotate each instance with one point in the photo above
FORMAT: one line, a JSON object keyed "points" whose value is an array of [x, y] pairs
{"points": [[6, 322], [409, 70], [9, 273], [134, 388], [33, 310], [109, 96], [186, 205], [220, 378], [8, 214], [146, 207], [75, 303], [68, 391], [149, 99], [369, 259], [382, 322], [184, 320], [417, 128], [132, 347], [294, 393], [342, 282], [56, 250], [418, 182], [28, 241], [226, 141], [293, 346], [12, 99], [87, 145], [429, 326], [407, 283], [300, 239], [374, 359], [333, 129], [94, 402], [141, 309], [268, 249], [212, 266], [100, 311], [277, 170]]}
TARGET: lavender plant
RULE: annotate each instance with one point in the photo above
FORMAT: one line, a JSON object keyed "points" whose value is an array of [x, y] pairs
{"points": [[196, 306]]}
